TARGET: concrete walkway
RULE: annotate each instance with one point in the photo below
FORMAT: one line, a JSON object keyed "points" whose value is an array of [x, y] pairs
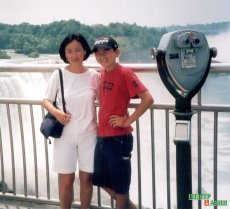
{"points": [[14, 205]]}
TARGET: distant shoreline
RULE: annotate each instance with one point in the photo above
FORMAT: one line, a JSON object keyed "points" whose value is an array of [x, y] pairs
{"points": [[42, 59]]}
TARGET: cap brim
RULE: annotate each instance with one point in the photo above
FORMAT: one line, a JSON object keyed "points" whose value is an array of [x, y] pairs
{"points": [[106, 47]]}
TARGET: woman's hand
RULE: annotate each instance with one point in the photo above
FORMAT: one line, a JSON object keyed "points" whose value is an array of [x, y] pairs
{"points": [[62, 117]]}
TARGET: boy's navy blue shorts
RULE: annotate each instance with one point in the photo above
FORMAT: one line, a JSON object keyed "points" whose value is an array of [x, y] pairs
{"points": [[112, 165]]}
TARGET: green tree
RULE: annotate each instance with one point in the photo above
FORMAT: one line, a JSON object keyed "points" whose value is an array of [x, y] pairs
{"points": [[134, 41]]}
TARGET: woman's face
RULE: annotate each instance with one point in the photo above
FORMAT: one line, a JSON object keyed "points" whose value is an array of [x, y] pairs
{"points": [[74, 52]]}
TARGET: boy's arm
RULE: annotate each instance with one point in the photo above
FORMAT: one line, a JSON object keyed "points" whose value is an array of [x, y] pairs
{"points": [[146, 102]]}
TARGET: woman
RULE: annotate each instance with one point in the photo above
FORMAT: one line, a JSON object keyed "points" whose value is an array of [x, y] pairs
{"points": [[78, 139]]}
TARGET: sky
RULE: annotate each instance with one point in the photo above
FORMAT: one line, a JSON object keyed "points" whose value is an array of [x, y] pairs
{"points": [[150, 13]]}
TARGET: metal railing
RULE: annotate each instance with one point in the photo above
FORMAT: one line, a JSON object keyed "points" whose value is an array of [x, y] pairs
{"points": [[25, 173]]}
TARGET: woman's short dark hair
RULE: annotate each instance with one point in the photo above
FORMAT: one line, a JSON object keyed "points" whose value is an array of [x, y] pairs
{"points": [[71, 37]]}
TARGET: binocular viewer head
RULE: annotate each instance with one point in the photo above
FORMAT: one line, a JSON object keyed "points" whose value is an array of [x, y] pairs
{"points": [[183, 60]]}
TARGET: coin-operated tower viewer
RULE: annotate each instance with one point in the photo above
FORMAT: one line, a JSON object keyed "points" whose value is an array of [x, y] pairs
{"points": [[183, 60]]}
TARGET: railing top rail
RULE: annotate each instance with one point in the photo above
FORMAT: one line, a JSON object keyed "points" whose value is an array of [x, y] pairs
{"points": [[7, 100], [209, 107], [215, 67]]}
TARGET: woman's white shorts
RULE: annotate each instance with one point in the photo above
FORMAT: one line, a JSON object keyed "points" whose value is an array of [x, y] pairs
{"points": [[72, 149]]}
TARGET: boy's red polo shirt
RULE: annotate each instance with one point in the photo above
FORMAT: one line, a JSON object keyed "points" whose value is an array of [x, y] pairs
{"points": [[116, 89]]}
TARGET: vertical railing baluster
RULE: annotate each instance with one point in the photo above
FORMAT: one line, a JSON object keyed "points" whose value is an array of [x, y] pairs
{"points": [[23, 149], [153, 158], [199, 149], [47, 162], [11, 148], [199, 180], [2, 164], [168, 159], [34, 151], [139, 164], [215, 150], [112, 203], [99, 196]]}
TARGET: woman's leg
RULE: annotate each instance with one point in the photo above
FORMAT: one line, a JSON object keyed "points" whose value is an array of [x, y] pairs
{"points": [[86, 189], [66, 189]]}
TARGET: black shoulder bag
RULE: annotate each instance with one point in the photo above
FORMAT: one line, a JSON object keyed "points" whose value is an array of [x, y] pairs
{"points": [[50, 126]]}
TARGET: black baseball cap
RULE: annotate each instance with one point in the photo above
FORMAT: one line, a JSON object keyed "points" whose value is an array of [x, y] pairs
{"points": [[106, 43]]}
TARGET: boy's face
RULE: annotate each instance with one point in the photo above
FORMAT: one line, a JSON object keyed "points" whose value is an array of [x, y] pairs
{"points": [[106, 58]]}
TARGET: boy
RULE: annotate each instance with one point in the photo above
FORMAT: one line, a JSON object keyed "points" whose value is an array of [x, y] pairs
{"points": [[112, 165]]}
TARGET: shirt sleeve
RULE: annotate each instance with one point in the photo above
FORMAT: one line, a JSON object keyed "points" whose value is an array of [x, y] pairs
{"points": [[52, 87], [134, 85], [96, 83]]}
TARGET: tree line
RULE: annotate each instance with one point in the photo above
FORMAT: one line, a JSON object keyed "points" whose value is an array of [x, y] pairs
{"points": [[134, 41]]}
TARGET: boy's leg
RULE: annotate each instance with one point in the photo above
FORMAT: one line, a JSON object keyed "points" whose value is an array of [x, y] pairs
{"points": [[118, 154], [122, 201], [131, 205]]}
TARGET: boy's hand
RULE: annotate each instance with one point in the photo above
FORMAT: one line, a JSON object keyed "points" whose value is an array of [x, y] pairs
{"points": [[117, 121]]}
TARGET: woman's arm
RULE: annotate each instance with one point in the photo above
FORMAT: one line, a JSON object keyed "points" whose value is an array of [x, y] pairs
{"points": [[61, 116]]}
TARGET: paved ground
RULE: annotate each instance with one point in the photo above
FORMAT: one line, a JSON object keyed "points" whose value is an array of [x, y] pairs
{"points": [[19, 205], [34, 206], [15, 206]]}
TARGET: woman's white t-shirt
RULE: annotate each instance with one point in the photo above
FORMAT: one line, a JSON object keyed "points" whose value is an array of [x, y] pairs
{"points": [[80, 91]]}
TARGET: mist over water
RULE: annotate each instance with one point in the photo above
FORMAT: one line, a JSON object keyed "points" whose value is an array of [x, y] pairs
{"points": [[222, 43]]}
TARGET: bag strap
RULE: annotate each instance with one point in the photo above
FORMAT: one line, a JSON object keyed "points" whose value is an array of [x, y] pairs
{"points": [[62, 90]]}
